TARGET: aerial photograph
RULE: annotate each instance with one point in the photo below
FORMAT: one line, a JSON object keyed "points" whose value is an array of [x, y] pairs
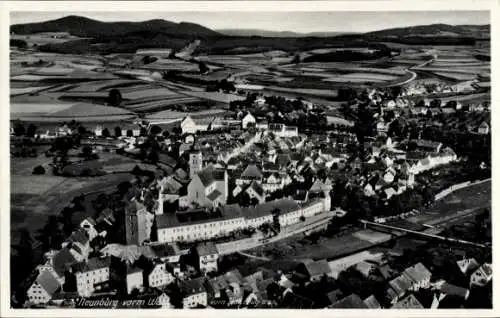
{"points": [[227, 160]]}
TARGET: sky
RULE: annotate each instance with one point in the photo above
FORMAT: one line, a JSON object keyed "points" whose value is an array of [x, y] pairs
{"points": [[304, 22]]}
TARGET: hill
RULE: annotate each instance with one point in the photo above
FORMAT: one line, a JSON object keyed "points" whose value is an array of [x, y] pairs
{"points": [[275, 34], [89, 28], [435, 30]]}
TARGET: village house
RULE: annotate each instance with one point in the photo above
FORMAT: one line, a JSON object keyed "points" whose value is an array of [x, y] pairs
{"points": [[483, 128], [159, 275], [248, 121], [467, 265], [250, 174], [208, 257], [134, 279], [254, 190], [90, 273], [78, 244], [194, 293], [282, 130], [315, 270], [409, 302], [481, 276], [42, 289], [88, 225]]}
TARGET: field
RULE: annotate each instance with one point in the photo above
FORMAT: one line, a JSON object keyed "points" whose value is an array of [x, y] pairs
{"points": [[34, 198]]}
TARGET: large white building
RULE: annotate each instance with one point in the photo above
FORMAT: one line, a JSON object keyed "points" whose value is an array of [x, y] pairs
{"points": [[282, 130], [232, 217], [90, 273]]}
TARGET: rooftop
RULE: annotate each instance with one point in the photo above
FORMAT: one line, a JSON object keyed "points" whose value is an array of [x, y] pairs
{"points": [[350, 302], [92, 264], [207, 248], [48, 281], [409, 302]]}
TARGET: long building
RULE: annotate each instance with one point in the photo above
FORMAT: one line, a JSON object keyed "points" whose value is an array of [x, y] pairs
{"points": [[200, 224]]}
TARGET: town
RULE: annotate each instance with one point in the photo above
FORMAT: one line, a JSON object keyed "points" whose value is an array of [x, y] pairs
{"points": [[275, 201]]}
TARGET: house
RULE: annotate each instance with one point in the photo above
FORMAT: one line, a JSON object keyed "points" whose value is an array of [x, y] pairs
{"points": [[335, 295], [467, 265], [235, 291], [448, 289], [194, 293], [483, 128], [208, 257], [188, 126], [389, 175], [250, 174], [412, 279], [208, 188], [248, 121], [352, 301], [315, 270], [89, 225], [372, 303], [91, 273], [134, 279], [409, 302], [254, 191], [159, 275], [481, 276], [282, 130], [166, 252], [43, 288], [78, 244], [138, 223], [419, 275], [216, 288]]}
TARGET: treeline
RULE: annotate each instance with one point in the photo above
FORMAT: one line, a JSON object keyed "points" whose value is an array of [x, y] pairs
{"points": [[347, 55]]}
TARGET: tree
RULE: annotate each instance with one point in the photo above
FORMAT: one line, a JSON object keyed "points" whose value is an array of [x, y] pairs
{"points": [[166, 134], [347, 93], [38, 170], [296, 59], [155, 130], [30, 132], [19, 129], [153, 156], [130, 133], [87, 152], [118, 131], [203, 67], [114, 97], [435, 103], [105, 133]]}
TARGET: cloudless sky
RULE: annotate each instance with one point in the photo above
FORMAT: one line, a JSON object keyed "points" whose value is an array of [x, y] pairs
{"points": [[353, 21]]}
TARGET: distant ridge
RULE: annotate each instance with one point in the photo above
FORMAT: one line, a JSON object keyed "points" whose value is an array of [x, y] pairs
{"points": [[85, 27], [276, 34], [475, 31]]}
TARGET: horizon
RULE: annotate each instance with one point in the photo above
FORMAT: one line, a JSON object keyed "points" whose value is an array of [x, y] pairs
{"points": [[298, 22]]}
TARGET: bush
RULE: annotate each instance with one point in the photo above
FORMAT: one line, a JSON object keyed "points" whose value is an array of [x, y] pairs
{"points": [[38, 170]]}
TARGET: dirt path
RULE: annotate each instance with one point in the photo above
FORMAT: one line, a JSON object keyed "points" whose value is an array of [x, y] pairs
{"points": [[254, 257]]}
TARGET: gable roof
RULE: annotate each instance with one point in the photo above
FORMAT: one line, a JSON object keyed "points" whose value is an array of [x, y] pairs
{"points": [[62, 260], [319, 267], [252, 171], [372, 302], [207, 248], [92, 264], [48, 282], [193, 286], [400, 284], [409, 302], [335, 295], [351, 301], [467, 265]]}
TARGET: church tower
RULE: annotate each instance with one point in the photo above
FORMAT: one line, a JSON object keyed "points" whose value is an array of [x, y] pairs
{"points": [[195, 162]]}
